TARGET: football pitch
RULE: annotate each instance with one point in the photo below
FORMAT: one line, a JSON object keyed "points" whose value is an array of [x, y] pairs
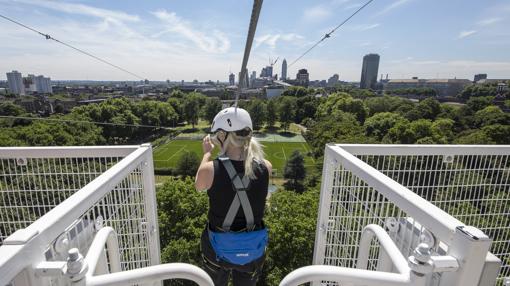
{"points": [[277, 153]]}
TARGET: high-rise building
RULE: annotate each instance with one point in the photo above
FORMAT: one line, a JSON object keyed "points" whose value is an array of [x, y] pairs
{"points": [[267, 72], [253, 76], [480, 76], [15, 82], [333, 80], [43, 84], [284, 70], [232, 79], [302, 77], [369, 71]]}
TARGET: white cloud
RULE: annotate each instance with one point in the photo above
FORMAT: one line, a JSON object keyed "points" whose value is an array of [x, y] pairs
{"points": [[365, 27], [464, 34], [272, 39], [211, 41], [352, 6], [488, 21], [81, 9], [394, 5], [317, 13]]}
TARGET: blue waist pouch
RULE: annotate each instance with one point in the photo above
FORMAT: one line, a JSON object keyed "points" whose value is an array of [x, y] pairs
{"points": [[239, 248]]}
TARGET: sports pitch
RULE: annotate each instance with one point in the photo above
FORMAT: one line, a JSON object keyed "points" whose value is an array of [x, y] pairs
{"points": [[277, 153]]}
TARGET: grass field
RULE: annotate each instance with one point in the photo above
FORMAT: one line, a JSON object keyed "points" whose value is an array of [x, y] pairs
{"points": [[166, 156]]}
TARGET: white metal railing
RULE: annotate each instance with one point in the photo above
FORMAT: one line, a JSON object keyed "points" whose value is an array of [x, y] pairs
{"points": [[365, 184], [469, 182], [57, 198]]}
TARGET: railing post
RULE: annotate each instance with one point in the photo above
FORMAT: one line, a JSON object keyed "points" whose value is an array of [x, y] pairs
{"points": [[470, 247], [325, 202], [149, 190]]}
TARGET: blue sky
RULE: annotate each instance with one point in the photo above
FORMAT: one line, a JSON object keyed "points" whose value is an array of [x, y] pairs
{"points": [[176, 39]]}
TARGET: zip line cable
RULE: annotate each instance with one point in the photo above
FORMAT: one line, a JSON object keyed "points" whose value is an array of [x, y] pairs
{"points": [[331, 32], [83, 121], [255, 12], [48, 37]]}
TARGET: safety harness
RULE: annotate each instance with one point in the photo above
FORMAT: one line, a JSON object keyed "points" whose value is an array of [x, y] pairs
{"points": [[238, 247], [241, 185]]}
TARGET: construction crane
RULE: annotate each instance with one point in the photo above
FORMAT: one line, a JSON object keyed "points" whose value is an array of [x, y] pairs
{"points": [[273, 63]]}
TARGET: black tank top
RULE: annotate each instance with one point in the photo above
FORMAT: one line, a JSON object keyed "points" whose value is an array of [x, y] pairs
{"points": [[221, 194]]}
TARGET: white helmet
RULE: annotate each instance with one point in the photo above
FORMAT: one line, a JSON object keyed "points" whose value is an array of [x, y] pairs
{"points": [[231, 119]]}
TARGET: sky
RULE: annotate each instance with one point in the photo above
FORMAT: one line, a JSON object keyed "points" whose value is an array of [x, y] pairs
{"points": [[204, 40]]}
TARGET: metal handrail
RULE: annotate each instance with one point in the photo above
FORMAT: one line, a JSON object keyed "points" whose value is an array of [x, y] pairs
{"points": [[108, 236], [387, 246], [153, 274]]}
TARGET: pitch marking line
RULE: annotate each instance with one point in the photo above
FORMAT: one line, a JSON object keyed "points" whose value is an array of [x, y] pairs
{"points": [[177, 152], [284, 156], [307, 150]]}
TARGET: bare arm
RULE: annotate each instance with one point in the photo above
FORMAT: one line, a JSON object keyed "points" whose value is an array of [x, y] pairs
{"points": [[269, 167], [205, 173]]}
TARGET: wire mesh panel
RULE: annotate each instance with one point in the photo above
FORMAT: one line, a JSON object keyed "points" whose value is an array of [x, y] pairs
{"points": [[30, 187], [404, 192], [353, 206], [473, 187], [63, 201]]}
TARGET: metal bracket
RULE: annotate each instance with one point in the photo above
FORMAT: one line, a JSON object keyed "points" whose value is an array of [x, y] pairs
{"points": [[51, 268]]}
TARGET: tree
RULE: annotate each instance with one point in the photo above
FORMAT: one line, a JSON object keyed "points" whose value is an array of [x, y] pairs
{"points": [[343, 102], [491, 115], [478, 103], [295, 172], [191, 109], [429, 108], [211, 108], [340, 127], [188, 163], [271, 115], [379, 124], [291, 220], [287, 111], [257, 110], [182, 216]]}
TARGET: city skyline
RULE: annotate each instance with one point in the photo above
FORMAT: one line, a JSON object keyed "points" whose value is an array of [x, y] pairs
{"points": [[178, 41]]}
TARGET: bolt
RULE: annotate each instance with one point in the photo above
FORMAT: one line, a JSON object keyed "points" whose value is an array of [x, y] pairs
{"points": [[422, 253], [74, 254], [74, 261]]}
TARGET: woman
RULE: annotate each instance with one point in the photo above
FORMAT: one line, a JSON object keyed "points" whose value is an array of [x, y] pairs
{"points": [[235, 238]]}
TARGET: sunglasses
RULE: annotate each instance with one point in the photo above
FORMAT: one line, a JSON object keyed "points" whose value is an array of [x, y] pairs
{"points": [[240, 133], [243, 132]]}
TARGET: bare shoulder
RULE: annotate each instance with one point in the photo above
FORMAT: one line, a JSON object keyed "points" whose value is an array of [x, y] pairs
{"points": [[205, 176], [269, 166]]}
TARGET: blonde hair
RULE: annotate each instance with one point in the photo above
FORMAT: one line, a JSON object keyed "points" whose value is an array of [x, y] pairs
{"points": [[252, 149]]}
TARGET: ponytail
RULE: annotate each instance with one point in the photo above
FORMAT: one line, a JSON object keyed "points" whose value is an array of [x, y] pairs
{"points": [[253, 153]]}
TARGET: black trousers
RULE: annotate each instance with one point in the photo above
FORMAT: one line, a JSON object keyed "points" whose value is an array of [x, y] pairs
{"points": [[242, 275]]}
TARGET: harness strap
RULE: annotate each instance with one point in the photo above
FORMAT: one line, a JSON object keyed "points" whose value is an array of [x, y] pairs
{"points": [[240, 185]]}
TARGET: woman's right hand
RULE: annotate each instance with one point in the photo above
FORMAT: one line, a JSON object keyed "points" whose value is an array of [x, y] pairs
{"points": [[207, 145]]}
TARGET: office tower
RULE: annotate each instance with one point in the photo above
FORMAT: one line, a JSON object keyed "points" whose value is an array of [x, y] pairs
{"points": [[480, 76], [284, 70], [232, 79], [369, 71], [303, 78], [15, 82]]}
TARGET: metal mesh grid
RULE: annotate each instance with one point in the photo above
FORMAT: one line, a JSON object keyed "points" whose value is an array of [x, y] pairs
{"points": [[30, 187], [353, 206], [475, 189], [123, 209]]}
